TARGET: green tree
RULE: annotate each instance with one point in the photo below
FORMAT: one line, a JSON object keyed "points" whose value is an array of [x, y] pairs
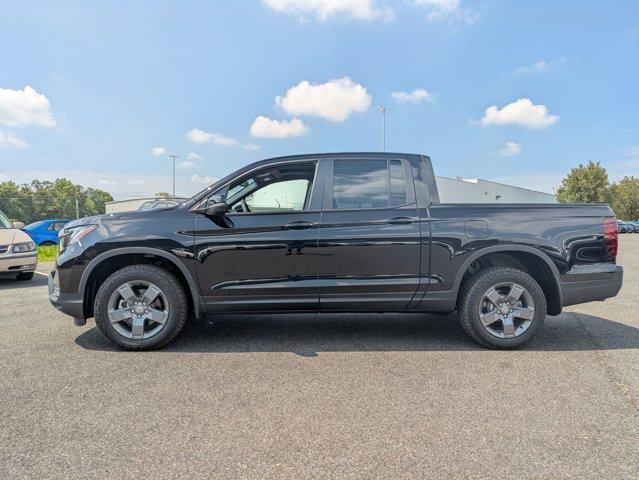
{"points": [[94, 200], [624, 198], [12, 201], [585, 184], [44, 199]]}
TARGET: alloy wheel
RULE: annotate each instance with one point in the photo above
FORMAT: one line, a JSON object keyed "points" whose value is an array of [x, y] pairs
{"points": [[138, 309], [506, 310]]}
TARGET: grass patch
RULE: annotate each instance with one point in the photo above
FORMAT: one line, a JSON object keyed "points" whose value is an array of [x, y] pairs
{"points": [[47, 253]]}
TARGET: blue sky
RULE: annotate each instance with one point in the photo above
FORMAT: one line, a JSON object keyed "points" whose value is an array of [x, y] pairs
{"points": [[515, 91]]}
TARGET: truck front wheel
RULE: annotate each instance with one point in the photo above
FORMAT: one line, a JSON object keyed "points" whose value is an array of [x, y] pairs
{"points": [[501, 307], [141, 307]]}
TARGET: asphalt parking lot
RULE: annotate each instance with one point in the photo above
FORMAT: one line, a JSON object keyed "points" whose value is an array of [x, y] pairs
{"points": [[331, 396]]}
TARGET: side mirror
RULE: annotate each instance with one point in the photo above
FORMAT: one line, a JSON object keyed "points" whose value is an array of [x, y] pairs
{"points": [[215, 209], [18, 225]]}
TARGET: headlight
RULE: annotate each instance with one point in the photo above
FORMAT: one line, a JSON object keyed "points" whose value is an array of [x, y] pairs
{"points": [[77, 233], [23, 247]]}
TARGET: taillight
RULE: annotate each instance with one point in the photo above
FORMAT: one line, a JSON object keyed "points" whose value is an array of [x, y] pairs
{"points": [[611, 237]]}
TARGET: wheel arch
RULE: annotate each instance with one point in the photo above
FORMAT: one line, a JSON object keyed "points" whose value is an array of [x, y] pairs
{"points": [[108, 262], [528, 259]]}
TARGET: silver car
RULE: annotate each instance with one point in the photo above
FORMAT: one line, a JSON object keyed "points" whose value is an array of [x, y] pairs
{"points": [[18, 254]]}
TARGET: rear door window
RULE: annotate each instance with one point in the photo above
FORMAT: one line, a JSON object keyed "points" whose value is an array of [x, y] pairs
{"points": [[397, 184], [360, 184]]}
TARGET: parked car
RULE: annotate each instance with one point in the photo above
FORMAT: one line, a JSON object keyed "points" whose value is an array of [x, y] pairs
{"points": [[45, 232], [18, 255], [622, 227], [628, 227], [358, 232]]}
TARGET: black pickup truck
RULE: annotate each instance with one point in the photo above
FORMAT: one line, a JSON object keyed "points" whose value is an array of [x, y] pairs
{"points": [[346, 232]]}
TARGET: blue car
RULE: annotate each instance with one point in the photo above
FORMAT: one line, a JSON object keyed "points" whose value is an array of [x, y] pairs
{"points": [[45, 232], [622, 227]]}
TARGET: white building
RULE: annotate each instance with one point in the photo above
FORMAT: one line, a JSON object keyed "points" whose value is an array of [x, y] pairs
{"points": [[476, 190]]}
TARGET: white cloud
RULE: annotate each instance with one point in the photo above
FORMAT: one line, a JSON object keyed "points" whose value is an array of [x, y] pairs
{"points": [[24, 107], [102, 181], [186, 165], [510, 149], [322, 10], [449, 10], [200, 136], [157, 151], [521, 112], [202, 179], [416, 96], [264, 127], [194, 157], [136, 182], [192, 161], [9, 140], [334, 100], [627, 166], [250, 146], [630, 152], [539, 66]]}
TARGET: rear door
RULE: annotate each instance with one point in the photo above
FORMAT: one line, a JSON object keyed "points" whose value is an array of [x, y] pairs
{"points": [[369, 236]]}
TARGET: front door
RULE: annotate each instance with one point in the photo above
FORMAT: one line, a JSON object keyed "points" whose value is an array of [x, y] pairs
{"points": [[262, 255], [369, 237]]}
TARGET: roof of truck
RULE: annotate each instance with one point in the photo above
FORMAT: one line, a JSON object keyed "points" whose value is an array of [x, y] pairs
{"points": [[309, 156]]}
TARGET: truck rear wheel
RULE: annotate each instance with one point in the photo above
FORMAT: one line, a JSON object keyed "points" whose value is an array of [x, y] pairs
{"points": [[501, 307], [141, 307]]}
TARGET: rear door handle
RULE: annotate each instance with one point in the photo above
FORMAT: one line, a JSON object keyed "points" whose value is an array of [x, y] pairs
{"points": [[400, 221], [299, 225]]}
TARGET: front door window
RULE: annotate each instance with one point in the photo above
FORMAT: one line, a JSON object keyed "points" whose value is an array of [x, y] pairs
{"points": [[275, 189]]}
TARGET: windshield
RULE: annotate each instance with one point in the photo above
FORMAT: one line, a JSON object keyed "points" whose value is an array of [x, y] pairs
{"points": [[157, 205], [4, 221], [146, 206]]}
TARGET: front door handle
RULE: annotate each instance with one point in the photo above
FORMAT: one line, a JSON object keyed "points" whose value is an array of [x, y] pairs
{"points": [[400, 221], [299, 225]]}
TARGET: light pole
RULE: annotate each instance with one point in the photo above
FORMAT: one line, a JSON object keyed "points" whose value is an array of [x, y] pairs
{"points": [[173, 156], [383, 111]]}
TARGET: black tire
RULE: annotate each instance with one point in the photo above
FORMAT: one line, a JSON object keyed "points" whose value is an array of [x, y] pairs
{"points": [[47, 244], [24, 276], [472, 296], [170, 287]]}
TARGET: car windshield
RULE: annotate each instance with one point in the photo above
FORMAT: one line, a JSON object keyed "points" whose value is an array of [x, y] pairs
{"points": [[4, 221], [156, 205]]}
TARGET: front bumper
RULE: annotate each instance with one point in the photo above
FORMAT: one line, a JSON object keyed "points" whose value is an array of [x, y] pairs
{"points": [[69, 303], [592, 285], [18, 262]]}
